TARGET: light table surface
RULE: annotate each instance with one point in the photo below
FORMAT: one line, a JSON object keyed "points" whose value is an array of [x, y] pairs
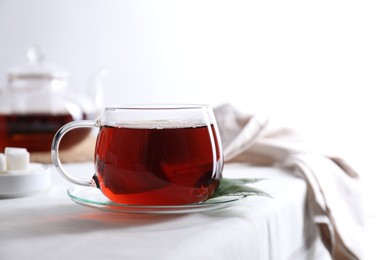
{"points": [[48, 225]]}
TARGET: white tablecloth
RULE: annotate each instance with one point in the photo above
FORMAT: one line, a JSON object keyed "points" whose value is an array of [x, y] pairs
{"points": [[49, 225]]}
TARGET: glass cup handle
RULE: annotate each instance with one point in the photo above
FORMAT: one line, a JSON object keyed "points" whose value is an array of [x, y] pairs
{"points": [[56, 143]]}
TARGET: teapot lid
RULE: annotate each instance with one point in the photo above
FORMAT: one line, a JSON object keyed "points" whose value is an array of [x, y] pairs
{"points": [[37, 68]]}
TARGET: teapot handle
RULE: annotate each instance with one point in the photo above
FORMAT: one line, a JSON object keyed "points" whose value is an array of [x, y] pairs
{"points": [[55, 146]]}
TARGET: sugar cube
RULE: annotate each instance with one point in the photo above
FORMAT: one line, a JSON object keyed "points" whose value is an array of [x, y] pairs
{"points": [[3, 163], [17, 159]]}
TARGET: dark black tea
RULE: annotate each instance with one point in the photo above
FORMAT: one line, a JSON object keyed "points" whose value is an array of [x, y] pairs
{"points": [[36, 131], [158, 166]]}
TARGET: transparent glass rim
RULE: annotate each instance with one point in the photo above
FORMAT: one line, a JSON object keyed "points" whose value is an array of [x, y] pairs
{"points": [[157, 107]]}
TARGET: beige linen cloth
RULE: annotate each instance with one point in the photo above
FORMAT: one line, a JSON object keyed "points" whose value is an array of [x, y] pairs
{"points": [[82, 152], [334, 193]]}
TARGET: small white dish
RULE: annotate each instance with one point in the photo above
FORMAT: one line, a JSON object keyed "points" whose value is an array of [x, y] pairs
{"points": [[24, 183]]}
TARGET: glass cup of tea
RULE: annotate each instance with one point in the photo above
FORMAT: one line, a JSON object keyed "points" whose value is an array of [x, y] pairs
{"points": [[152, 154]]}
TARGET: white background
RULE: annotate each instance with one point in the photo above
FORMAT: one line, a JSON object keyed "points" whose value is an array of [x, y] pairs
{"points": [[322, 67]]}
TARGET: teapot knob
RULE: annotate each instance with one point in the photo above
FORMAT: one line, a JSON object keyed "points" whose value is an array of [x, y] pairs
{"points": [[35, 55], [95, 87]]}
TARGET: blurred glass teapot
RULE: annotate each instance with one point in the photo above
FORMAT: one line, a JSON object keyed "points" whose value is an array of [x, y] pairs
{"points": [[37, 102]]}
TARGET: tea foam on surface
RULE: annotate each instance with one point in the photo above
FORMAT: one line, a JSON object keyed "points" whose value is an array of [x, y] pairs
{"points": [[159, 124]]}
